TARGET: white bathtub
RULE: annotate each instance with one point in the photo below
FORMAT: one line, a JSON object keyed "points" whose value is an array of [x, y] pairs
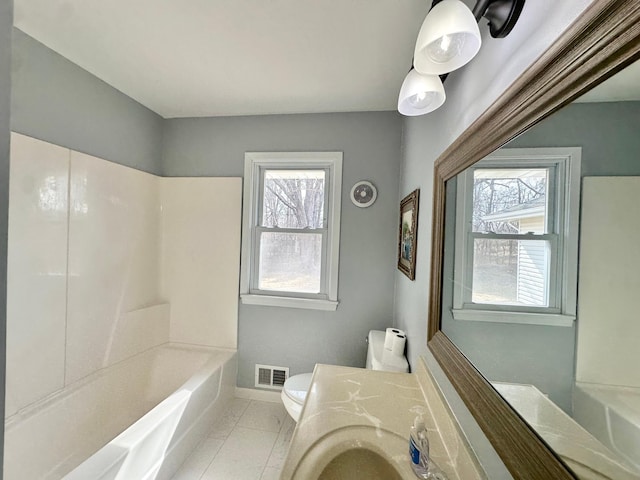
{"points": [[611, 414], [138, 419]]}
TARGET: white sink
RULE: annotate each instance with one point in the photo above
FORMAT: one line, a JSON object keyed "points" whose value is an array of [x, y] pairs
{"points": [[356, 452]]}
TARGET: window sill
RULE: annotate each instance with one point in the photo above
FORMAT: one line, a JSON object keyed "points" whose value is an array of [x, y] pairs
{"points": [[552, 319], [289, 302]]}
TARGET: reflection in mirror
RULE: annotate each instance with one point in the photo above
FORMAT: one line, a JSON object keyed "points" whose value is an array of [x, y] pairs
{"points": [[541, 269]]}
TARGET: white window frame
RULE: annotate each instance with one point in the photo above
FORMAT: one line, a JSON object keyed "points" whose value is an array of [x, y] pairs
{"points": [[254, 164], [563, 218]]}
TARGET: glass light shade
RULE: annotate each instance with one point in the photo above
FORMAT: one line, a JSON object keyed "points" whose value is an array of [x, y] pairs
{"points": [[420, 94], [449, 38]]}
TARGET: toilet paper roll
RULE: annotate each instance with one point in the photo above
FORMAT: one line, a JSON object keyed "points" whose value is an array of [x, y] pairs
{"points": [[397, 347], [388, 338]]}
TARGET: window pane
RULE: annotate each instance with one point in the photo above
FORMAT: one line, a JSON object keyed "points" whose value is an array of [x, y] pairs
{"points": [[510, 200], [293, 199], [511, 272], [290, 262]]}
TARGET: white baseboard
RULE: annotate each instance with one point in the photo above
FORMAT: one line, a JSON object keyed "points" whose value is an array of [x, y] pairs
{"points": [[255, 394]]}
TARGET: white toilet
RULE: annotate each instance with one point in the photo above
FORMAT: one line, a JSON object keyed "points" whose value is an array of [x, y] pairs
{"points": [[295, 388]]}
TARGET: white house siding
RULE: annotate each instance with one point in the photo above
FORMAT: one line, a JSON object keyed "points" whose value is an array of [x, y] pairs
{"points": [[533, 265]]}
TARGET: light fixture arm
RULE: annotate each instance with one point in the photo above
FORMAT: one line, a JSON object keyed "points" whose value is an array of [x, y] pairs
{"points": [[501, 14], [480, 8]]}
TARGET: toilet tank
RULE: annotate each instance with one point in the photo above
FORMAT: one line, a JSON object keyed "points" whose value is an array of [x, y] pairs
{"points": [[380, 359]]}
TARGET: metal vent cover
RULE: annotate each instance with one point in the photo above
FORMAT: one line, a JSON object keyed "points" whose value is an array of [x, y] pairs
{"points": [[269, 376]]}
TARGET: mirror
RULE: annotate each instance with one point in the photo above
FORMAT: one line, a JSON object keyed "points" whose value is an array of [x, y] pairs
{"points": [[526, 200], [514, 224]]}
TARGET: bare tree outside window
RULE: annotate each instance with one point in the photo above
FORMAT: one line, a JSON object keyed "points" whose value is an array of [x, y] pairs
{"points": [[292, 200], [509, 201]]}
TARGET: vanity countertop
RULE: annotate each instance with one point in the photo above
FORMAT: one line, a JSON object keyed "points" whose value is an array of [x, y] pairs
{"points": [[382, 403]]}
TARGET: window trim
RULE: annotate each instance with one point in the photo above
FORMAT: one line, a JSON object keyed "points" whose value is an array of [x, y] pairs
{"points": [[563, 283], [255, 162]]}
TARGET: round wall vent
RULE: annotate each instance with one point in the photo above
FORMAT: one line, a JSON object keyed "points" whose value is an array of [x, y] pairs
{"points": [[363, 194]]}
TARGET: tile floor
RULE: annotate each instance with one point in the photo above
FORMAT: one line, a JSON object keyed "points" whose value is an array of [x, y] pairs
{"points": [[249, 442]]}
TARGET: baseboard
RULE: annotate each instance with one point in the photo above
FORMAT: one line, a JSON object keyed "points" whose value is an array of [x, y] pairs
{"points": [[255, 394]]}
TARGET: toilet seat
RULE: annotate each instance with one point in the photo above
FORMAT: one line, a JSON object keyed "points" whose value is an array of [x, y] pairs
{"points": [[294, 393]]}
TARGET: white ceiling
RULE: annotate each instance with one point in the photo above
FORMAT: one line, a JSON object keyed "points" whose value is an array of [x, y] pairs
{"points": [[185, 58]]}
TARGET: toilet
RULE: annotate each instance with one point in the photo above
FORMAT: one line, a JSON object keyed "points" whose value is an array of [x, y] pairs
{"points": [[294, 391]]}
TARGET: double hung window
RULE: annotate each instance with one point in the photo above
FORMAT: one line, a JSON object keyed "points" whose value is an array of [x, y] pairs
{"points": [[516, 237], [291, 229]]}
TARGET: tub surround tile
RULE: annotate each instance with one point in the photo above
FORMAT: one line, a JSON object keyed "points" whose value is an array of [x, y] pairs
{"points": [[264, 416], [139, 330], [85, 264], [113, 256], [36, 271], [201, 258], [84, 278]]}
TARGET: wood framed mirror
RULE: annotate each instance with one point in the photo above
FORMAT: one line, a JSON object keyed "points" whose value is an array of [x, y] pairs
{"points": [[603, 41]]}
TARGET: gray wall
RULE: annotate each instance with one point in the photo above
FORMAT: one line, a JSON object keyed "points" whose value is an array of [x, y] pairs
{"points": [[607, 132], [55, 100], [299, 338], [6, 18], [470, 91]]}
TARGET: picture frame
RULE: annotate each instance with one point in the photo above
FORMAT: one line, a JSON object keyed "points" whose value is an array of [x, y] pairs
{"points": [[408, 234]]}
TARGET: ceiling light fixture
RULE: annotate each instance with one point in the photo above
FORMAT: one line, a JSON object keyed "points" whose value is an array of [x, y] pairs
{"points": [[449, 39], [420, 94]]}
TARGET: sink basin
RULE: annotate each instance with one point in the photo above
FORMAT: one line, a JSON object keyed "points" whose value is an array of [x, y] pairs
{"points": [[356, 451], [359, 463]]}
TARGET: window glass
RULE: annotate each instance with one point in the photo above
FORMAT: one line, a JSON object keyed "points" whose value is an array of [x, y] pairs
{"points": [[290, 262], [293, 199], [511, 272], [510, 200]]}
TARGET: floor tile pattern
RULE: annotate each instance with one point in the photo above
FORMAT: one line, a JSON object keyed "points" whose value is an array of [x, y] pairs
{"points": [[249, 442]]}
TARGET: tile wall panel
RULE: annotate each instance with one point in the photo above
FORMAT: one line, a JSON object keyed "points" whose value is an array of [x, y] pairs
{"points": [[201, 258], [88, 246], [140, 330], [113, 257], [36, 270]]}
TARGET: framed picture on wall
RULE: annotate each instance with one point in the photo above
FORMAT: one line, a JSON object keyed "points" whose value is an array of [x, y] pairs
{"points": [[408, 234]]}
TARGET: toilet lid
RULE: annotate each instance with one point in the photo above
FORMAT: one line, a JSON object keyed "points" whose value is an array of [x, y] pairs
{"points": [[296, 387]]}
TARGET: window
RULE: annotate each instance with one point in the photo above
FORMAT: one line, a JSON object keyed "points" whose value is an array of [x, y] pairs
{"points": [[517, 237], [291, 229]]}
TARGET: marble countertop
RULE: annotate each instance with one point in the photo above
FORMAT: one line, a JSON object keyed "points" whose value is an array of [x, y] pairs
{"points": [[384, 403], [580, 450]]}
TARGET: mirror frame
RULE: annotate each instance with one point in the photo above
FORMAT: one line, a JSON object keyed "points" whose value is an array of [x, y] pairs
{"points": [[602, 41]]}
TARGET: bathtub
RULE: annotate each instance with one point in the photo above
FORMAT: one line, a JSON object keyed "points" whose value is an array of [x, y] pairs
{"points": [[138, 419], [611, 414]]}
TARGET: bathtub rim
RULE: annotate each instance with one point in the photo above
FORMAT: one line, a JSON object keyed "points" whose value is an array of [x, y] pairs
{"points": [[42, 404]]}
